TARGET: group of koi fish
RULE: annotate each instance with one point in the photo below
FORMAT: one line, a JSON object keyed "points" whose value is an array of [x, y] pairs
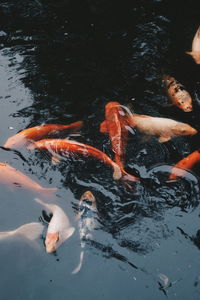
{"points": [[119, 121]]}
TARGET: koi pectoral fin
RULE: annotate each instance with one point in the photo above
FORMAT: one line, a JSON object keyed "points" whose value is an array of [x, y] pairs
{"points": [[67, 233], [164, 139], [103, 127], [55, 160]]}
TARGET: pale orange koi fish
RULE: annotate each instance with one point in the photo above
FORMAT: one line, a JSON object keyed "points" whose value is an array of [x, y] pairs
{"points": [[178, 94], [62, 147], [185, 164], [14, 178], [162, 128], [195, 53], [27, 136]]}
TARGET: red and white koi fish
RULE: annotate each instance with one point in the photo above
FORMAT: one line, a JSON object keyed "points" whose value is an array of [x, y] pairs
{"points": [[86, 220], [185, 164], [178, 94], [27, 136], [59, 229], [195, 53], [30, 231], [14, 178], [61, 147], [116, 126], [162, 128]]}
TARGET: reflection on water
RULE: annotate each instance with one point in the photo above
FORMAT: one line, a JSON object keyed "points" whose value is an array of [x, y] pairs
{"points": [[62, 62]]}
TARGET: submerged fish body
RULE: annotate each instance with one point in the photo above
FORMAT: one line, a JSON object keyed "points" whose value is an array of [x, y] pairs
{"points": [[195, 53], [61, 147], [185, 164], [162, 128], [86, 222], [30, 231], [59, 229], [115, 125], [178, 94], [14, 178], [87, 209], [27, 136]]}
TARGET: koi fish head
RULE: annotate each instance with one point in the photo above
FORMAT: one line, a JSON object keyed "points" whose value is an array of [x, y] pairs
{"points": [[186, 105], [51, 242], [88, 196], [183, 129], [112, 104]]}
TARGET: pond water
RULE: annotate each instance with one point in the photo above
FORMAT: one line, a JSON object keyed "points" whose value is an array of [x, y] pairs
{"points": [[60, 63]]}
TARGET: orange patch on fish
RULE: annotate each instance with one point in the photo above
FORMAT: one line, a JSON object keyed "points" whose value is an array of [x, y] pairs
{"points": [[185, 164]]}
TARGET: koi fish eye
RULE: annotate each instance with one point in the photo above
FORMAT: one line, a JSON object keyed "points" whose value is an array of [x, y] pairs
{"points": [[183, 130]]}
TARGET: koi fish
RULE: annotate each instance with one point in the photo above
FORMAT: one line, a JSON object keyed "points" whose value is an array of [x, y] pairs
{"points": [[178, 94], [86, 212], [59, 229], [163, 128], [116, 126], [27, 136], [30, 231], [15, 178], [62, 147], [195, 53], [186, 163]]}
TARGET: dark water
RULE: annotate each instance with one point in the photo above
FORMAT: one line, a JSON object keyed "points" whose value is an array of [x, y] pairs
{"points": [[60, 62]]}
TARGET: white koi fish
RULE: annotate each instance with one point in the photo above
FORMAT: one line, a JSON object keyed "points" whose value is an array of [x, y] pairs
{"points": [[30, 231], [87, 209], [59, 229]]}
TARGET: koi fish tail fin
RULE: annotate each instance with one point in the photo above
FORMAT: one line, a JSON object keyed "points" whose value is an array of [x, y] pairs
{"points": [[176, 172], [76, 126], [48, 193], [117, 172], [78, 268], [128, 179]]}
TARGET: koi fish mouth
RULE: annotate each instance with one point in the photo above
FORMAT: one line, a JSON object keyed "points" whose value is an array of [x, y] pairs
{"points": [[187, 109], [51, 242]]}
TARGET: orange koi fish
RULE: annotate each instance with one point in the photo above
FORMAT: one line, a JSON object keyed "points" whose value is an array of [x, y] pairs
{"points": [[27, 136], [195, 53], [15, 178], [61, 147], [186, 163], [162, 128], [116, 126], [178, 94]]}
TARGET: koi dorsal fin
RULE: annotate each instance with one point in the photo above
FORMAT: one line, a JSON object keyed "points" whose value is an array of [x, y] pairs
{"points": [[103, 127]]}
